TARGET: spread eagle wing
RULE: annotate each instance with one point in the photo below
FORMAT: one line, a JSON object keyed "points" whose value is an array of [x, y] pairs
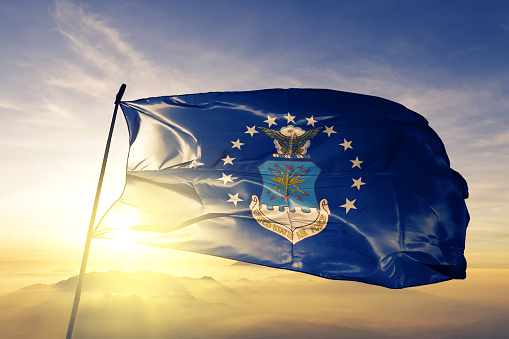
{"points": [[306, 136], [280, 137]]}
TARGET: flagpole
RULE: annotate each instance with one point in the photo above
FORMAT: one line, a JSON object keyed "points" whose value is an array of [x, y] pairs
{"points": [[77, 295]]}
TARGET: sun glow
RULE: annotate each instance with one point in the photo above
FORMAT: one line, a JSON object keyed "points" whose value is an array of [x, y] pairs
{"points": [[123, 239], [120, 221]]}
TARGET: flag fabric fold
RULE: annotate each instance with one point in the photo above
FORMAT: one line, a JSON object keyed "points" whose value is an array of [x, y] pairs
{"points": [[339, 185]]}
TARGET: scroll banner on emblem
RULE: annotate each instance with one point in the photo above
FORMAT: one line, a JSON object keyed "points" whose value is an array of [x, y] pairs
{"points": [[339, 185]]}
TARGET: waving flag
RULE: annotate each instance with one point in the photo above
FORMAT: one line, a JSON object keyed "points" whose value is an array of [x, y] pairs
{"points": [[339, 185]]}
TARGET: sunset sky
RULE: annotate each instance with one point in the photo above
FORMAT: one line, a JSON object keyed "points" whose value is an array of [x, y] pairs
{"points": [[62, 63]]}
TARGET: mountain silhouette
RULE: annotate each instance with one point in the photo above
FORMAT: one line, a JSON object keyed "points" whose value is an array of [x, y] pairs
{"points": [[153, 305]]}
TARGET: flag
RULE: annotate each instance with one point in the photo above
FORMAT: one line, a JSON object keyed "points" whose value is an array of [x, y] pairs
{"points": [[334, 184]]}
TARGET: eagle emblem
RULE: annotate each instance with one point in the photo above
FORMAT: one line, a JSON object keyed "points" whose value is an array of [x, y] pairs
{"points": [[291, 140], [287, 205]]}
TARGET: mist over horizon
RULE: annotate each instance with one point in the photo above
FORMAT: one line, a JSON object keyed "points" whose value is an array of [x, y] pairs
{"points": [[285, 305]]}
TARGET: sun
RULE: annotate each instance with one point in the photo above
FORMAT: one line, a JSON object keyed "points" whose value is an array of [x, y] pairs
{"points": [[123, 239], [122, 236]]}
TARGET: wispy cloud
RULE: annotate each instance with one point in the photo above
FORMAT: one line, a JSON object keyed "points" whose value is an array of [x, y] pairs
{"points": [[464, 52], [497, 139], [9, 105], [103, 58]]}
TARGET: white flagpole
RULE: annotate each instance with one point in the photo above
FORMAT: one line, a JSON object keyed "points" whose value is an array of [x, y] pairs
{"points": [[77, 295]]}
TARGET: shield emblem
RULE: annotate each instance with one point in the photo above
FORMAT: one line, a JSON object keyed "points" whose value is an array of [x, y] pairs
{"points": [[288, 204]]}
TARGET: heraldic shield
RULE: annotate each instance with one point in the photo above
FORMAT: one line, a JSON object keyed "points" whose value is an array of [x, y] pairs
{"points": [[288, 205]]}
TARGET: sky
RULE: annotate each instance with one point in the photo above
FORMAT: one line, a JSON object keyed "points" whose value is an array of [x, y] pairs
{"points": [[62, 63]]}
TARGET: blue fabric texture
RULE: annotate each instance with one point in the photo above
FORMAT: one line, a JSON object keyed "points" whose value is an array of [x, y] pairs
{"points": [[339, 185]]}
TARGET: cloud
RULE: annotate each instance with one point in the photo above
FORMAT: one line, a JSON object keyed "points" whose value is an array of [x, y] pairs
{"points": [[496, 139], [9, 105], [103, 58], [464, 52], [93, 39]]}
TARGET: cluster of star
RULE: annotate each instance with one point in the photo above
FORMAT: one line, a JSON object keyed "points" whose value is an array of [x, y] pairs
{"points": [[234, 198], [355, 163]]}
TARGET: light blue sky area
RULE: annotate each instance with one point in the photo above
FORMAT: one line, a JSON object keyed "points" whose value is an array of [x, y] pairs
{"points": [[63, 62]]}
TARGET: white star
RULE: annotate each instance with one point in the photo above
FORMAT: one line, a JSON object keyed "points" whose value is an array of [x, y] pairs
{"points": [[251, 130], [349, 205], [237, 144], [235, 198], [290, 118], [347, 144], [226, 178], [356, 162], [311, 121], [270, 121], [228, 160], [357, 183], [329, 130]]}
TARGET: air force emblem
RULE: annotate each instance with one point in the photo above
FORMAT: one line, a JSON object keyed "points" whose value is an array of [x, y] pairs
{"points": [[289, 187]]}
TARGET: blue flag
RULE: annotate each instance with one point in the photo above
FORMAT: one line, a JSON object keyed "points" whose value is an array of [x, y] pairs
{"points": [[334, 184]]}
